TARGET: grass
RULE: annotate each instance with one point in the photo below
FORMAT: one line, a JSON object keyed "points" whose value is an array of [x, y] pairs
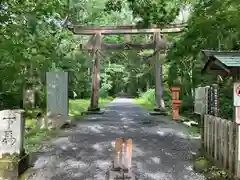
{"points": [[193, 131], [145, 104], [80, 105], [77, 106], [35, 136], [148, 105]]}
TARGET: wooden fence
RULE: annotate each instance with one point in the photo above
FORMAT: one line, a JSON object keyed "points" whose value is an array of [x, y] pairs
{"points": [[219, 141]]}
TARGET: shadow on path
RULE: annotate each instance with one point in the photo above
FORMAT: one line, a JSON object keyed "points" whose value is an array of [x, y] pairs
{"points": [[161, 150]]}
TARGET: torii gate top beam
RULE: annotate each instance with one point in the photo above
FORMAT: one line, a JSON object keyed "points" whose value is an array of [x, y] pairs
{"points": [[115, 30]]}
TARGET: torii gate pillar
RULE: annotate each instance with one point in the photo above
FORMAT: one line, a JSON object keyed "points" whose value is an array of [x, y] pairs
{"points": [[94, 104], [159, 87]]}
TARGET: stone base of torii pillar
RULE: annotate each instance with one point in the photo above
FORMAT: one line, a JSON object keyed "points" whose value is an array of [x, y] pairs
{"points": [[91, 111], [159, 111]]}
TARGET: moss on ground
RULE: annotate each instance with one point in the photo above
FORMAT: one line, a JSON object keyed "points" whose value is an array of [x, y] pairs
{"points": [[193, 131], [201, 164], [35, 136], [26, 174], [9, 162], [206, 167]]}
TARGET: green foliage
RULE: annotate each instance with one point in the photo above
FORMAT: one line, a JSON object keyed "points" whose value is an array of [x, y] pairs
{"points": [[213, 25], [147, 99], [103, 92], [113, 5], [149, 96], [158, 12], [226, 98], [187, 105], [31, 40]]}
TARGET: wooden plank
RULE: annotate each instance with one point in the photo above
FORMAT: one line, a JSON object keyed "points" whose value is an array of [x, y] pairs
{"points": [[208, 133], [211, 135], [237, 149], [215, 140], [218, 139], [127, 38], [128, 46], [129, 153], [231, 147], [221, 141], [225, 150], [123, 153], [114, 174], [122, 46], [205, 132], [114, 30]]}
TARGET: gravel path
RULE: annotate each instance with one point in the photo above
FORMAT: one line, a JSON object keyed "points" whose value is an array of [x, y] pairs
{"points": [[161, 149]]}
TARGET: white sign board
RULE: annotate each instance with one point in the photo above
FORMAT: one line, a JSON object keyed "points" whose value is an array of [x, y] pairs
{"points": [[236, 94], [200, 103], [11, 132], [237, 114]]}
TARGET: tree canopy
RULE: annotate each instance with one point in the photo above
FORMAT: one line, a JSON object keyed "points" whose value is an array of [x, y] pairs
{"points": [[149, 12]]}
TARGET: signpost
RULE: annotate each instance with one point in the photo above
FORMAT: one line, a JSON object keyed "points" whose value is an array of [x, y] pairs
{"points": [[236, 93], [237, 114]]}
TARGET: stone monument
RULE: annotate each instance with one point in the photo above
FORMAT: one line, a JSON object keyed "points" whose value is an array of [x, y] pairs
{"points": [[13, 160], [57, 99]]}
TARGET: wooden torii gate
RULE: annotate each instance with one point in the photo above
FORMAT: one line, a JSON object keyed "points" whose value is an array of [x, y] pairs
{"points": [[96, 44]]}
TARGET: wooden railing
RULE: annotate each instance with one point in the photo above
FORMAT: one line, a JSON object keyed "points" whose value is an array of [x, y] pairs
{"points": [[220, 142]]}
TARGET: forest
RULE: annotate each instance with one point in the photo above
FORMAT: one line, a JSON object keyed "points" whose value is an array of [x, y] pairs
{"points": [[34, 41]]}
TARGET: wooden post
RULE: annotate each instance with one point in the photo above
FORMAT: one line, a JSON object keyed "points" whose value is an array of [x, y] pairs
{"points": [[158, 74], [205, 111], [96, 74], [127, 38], [123, 154], [236, 95]]}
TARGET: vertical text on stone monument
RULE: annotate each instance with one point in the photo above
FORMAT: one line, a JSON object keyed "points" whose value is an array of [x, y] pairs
{"points": [[8, 138]]}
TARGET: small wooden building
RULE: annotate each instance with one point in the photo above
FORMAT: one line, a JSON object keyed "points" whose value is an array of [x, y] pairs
{"points": [[223, 62]]}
